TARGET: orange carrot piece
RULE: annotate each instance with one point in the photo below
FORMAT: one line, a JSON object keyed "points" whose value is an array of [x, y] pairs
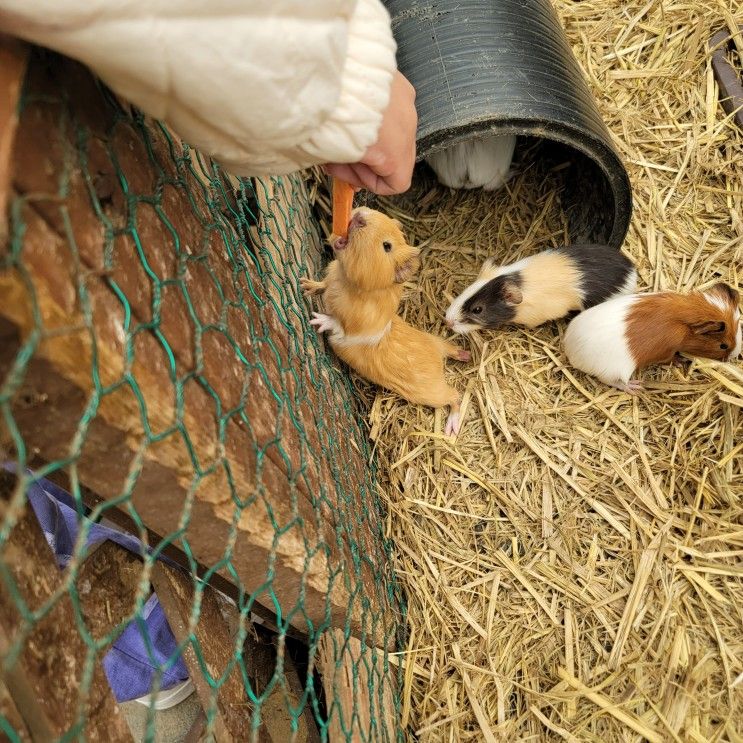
{"points": [[342, 207]]}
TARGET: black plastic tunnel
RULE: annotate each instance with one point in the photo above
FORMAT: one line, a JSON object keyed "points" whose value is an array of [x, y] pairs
{"points": [[484, 67]]}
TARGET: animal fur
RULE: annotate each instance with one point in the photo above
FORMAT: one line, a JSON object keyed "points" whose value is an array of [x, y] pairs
{"points": [[361, 291]]}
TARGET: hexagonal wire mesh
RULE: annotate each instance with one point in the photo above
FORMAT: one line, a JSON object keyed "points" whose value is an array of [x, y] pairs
{"points": [[157, 363]]}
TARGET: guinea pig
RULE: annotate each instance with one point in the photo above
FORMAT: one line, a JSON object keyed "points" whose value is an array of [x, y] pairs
{"points": [[363, 286], [542, 287], [613, 339], [480, 162], [361, 292]]}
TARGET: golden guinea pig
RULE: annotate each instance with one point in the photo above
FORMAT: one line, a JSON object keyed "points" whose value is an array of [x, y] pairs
{"points": [[361, 292]]}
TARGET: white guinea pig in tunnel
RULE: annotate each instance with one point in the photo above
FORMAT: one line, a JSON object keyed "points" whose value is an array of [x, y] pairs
{"points": [[542, 287], [483, 162]]}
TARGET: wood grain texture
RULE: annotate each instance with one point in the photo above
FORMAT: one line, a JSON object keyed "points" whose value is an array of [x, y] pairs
{"points": [[13, 61], [158, 431], [46, 680], [359, 699]]}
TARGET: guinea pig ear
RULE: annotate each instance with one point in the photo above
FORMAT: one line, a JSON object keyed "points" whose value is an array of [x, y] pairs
{"points": [[709, 327], [406, 270], [512, 294], [397, 223]]}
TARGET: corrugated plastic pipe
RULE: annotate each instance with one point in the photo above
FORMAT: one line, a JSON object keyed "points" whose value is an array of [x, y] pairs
{"points": [[504, 66]]}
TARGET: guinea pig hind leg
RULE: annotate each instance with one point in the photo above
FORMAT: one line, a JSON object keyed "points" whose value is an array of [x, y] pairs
{"points": [[453, 422], [455, 352]]}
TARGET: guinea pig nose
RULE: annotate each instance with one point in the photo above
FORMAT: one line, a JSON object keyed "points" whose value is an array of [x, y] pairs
{"points": [[449, 323]]}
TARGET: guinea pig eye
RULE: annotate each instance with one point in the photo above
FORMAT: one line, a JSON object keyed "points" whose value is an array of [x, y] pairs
{"points": [[476, 310], [724, 346], [387, 246]]}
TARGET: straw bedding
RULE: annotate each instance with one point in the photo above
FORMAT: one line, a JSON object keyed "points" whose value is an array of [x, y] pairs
{"points": [[572, 561]]}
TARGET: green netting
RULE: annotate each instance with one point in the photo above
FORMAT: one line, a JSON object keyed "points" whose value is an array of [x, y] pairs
{"points": [[123, 253]]}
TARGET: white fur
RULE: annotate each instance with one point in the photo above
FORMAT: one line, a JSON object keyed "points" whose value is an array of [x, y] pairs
{"points": [[721, 304], [596, 342], [716, 301], [320, 99], [630, 285], [364, 340], [325, 323], [475, 163], [454, 312]]}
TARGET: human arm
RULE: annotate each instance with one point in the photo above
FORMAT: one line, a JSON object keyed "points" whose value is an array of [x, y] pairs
{"points": [[264, 88]]}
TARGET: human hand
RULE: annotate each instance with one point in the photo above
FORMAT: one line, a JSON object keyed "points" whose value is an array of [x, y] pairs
{"points": [[387, 166]]}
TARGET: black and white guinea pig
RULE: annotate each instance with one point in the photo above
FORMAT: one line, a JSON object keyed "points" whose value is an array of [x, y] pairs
{"points": [[542, 287]]}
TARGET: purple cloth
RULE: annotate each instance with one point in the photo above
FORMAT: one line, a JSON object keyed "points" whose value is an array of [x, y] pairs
{"points": [[129, 667]]}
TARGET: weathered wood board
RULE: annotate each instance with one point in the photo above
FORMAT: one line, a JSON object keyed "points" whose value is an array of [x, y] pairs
{"points": [[153, 333], [46, 680]]}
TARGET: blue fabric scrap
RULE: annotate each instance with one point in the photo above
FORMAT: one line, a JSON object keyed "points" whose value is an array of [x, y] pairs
{"points": [[129, 668]]}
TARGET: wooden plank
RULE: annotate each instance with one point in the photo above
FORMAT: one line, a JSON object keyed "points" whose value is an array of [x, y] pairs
{"points": [[176, 594], [279, 492], [11, 716], [45, 680], [58, 382], [126, 523], [13, 61], [308, 731], [22, 694], [215, 637], [107, 584], [349, 671], [260, 652]]}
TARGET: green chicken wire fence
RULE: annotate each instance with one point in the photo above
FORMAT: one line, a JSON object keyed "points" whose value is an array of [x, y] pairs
{"points": [[157, 363]]}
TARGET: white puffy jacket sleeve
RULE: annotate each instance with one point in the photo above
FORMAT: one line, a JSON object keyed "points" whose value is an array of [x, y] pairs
{"points": [[263, 86]]}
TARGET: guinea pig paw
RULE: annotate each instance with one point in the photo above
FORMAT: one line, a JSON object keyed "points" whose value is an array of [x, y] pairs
{"points": [[323, 323], [309, 286], [633, 387], [463, 355], [453, 424]]}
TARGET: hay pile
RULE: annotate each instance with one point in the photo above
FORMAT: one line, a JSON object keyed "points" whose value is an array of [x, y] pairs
{"points": [[573, 561]]}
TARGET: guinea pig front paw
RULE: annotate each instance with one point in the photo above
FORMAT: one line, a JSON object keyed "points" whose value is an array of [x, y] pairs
{"points": [[311, 287], [324, 323]]}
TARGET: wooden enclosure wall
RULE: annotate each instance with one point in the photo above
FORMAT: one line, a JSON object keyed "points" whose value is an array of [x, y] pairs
{"points": [[122, 393]]}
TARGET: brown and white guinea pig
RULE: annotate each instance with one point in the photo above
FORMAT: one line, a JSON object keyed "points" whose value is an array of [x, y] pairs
{"points": [[542, 287], [613, 339], [361, 291]]}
